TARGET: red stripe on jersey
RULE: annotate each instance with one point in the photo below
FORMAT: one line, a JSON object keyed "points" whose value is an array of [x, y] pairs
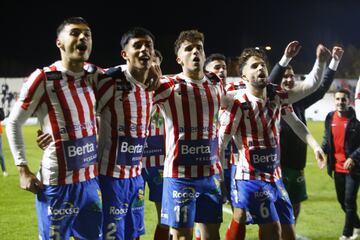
{"points": [[89, 102], [65, 108], [138, 112], [175, 171], [57, 137], [80, 110], [114, 136], [244, 139], [127, 113], [148, 110], [199, 112], [87, 172], [254, 129], [264, 125], [75, 176], [32, 90], [211, 110], [186, 111]]}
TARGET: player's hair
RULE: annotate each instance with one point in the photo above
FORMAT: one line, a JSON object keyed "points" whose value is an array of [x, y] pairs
{"points": [[213, 57], [135, 33], [251, 52], [71, 20], [345, 91], [289, 67], [189, 35]]}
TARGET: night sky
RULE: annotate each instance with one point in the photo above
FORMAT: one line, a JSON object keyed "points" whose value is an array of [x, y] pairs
{"points": [[28, 30]]}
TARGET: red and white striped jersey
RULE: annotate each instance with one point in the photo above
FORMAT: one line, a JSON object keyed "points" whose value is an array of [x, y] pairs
{"points": [[231, 155], [255, 123], [64, 103], [154, 151], [190, 109], [124, 120], [235, 86]]}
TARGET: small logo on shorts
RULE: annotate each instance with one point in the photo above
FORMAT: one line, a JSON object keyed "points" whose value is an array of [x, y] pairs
{"points": [[185, 195], [262, 195], [65, 210]]}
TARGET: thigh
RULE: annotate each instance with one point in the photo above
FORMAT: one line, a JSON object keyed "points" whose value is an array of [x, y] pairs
{"points": [[339, 179], [294, 182], [258, 197], [283, 205], [123, 203], [209, 201], [178, 203], [154, 177], [351, 188], [89, 221]]}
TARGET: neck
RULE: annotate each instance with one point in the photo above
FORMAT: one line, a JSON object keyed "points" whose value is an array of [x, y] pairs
{"points": [[259, 93], [139, 75], [342, 113], [72, 65], [194, 75]]}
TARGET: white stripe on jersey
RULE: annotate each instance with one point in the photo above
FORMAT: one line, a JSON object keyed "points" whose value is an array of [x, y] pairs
{"points": [[125, 116], [254, 123], [64, 103], [190, 109]]}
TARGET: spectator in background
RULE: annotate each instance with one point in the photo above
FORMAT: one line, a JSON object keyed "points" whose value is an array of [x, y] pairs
{"points": [[233, 67], [341, 143], [293, 149], [2, 159]]}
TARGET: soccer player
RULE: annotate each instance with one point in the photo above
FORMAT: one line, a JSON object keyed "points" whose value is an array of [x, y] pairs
{"points": [[190, 102], [253, 119], [293, 149], [153, 162], [68, 198], [342, 146], [123, 122]]}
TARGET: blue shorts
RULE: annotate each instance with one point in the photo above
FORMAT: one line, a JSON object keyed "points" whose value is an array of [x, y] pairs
{"points": [[123, 204], [154, 178], [189, 200], [267, 202], [70, 210], [229, 179]]}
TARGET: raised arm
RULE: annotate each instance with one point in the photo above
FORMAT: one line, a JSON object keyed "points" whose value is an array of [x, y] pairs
{"points": [[330, 71], [313, 79], [291, 50], [357, 100], [304, 134]]}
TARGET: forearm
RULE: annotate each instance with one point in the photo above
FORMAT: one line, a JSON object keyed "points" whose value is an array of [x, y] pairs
{"points": [[309, 85], [357, 100], [301, 130], [14, 133]]}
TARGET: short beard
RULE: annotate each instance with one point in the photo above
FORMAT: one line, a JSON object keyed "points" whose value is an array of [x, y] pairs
{"points": [[259, 85]]}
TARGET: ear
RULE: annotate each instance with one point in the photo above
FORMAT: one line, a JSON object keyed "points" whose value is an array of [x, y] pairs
{"points": [[58, 43], [178, 60], [123, 54]]}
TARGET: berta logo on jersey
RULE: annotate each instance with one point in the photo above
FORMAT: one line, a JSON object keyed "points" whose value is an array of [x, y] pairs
{"points": [[130, 150], [80, 153], [154, 146], [265, 160], [198, 152]]}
